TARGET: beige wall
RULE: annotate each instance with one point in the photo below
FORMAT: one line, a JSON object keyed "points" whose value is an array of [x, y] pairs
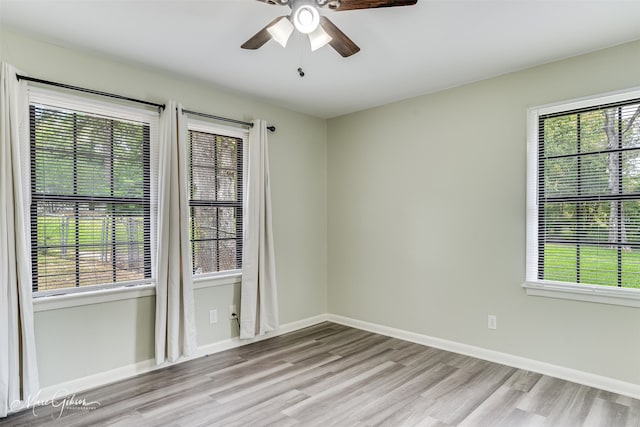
{"points": [[426, 215], [80, 341], [426, 218]]}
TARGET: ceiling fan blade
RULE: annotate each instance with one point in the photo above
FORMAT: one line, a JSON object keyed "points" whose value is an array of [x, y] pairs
{"points": [[276, 2], [371, 4], [339, 40], [261, 37]]}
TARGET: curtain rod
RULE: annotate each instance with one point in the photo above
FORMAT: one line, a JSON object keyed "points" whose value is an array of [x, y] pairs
{"points": [[224, 119], [126, 98], [95, 92]]}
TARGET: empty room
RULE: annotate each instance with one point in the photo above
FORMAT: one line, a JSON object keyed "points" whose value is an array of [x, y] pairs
{"points": [[320, 213]]}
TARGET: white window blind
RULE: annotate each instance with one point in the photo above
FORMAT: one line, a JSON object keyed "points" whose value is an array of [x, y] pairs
{"points": [[91, 222], [584, 221], [216, 198]]}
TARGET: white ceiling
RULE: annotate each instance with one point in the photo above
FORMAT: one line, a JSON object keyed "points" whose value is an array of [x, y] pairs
{"points": [[406, 51]]}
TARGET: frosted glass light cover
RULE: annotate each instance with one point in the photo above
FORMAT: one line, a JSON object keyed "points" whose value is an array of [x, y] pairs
{"points": [[319, 38], [281, 31], [306, 18]]}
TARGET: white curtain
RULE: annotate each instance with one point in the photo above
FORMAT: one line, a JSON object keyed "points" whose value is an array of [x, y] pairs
{"points": [[258, 296], [18, 364], [175, 319]]}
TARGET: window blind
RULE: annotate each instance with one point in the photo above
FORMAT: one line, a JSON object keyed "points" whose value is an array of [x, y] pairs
{"points": [[90, 199], [588, 195], [216, 197]]}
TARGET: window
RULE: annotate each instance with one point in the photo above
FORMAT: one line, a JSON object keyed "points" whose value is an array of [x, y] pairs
{"points": [[584, 194], [90, 194], [215, 197]]}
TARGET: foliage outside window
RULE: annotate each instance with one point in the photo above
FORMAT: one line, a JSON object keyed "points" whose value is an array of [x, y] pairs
{"points": [[587, 196], [90, 199], [215, 201]]}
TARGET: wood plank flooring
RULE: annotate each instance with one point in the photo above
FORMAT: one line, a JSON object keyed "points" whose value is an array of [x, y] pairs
{"points": [[333, 375]]}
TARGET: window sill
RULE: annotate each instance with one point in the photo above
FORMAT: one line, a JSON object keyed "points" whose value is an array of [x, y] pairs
{"points": [[223, 279], [56, 302], [589, 293]]}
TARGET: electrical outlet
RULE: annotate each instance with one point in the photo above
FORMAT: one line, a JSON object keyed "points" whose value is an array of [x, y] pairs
{"points": [[492, 321], [232, 309], [213, 316]]}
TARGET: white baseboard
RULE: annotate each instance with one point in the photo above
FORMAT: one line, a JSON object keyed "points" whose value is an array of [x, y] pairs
{"points": [[237, 342], [59, 391], [56, 393], [79, 385], [568, 374]]}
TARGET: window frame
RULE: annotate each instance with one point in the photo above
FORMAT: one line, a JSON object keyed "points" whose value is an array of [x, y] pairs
{"points": [[234, 132], [62, 100], [549, 288]]}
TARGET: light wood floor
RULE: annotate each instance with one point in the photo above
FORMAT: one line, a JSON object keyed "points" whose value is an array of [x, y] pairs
{"points": [[332, 375]]}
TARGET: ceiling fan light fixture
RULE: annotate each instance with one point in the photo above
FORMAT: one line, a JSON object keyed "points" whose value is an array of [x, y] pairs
{"points": [[281, 31], [319, 38], [306, 18]]}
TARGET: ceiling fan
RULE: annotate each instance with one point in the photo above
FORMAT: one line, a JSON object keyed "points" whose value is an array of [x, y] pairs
{"points": [[305, 17]]}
